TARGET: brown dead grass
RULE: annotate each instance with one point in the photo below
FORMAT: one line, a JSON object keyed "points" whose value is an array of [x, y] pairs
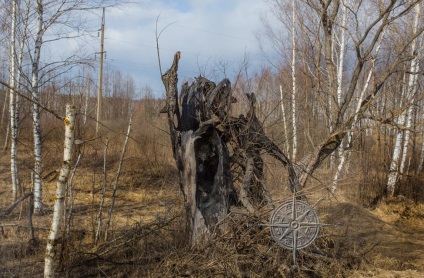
{"points": [[148, 236]]}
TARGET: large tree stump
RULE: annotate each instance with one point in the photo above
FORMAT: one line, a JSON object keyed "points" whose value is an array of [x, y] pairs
{"points": [[201, 136]]}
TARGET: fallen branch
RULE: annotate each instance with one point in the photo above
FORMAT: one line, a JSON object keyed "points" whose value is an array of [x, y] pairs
{"points": [[12, 207]]}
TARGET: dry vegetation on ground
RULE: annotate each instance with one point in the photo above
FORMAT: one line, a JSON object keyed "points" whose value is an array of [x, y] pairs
{"points": [[371, 237]]}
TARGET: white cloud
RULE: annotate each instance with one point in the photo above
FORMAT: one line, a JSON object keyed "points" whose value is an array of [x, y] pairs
{"points": [[204, 32]]}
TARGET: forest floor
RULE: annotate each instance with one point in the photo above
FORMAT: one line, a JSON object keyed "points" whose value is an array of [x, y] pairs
{"points": [[147, 236], [394, 232]]}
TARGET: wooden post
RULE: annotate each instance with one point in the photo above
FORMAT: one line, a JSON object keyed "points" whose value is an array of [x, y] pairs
{"points": [[100, 85]]}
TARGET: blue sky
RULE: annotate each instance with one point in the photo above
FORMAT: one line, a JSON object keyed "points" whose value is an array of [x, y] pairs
{"points": [[207, 32]]}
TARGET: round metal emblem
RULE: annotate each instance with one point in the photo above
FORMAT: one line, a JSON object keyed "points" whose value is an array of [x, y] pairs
{"points": [[294, 225]]}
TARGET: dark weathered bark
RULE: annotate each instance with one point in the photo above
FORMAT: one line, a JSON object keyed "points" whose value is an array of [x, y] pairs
{"points": [[201, 136], [250, 139], [202, 157]]}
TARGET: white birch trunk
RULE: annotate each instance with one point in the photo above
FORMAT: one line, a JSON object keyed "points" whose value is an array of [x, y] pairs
{"points": [[406, 118], [294, 82], [393, 172], [330, 103], [38, 206], [12, 107], [341, 63], [346, 153], [408, 124], [283, 111], [14, 98], [59, 204], [412, 88]]}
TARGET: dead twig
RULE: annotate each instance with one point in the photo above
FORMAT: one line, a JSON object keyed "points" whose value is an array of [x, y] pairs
{"points": [[12, 207]]}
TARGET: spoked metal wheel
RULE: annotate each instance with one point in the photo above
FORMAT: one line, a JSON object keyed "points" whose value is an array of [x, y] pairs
{"points": [[295, 225]]}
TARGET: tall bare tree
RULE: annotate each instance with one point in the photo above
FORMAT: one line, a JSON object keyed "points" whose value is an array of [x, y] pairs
{"points": [[59, 204], [58, 13], [367, 25], [402, 139], [36, 110], [12, 104], [293, 68]]}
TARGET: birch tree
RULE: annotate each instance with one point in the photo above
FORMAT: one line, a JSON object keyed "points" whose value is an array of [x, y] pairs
{"points": [[345, 154], [402, 137], [412, 91], [59, 13], [318, 25], [293, 65], [59, 203], [283, 112], [12, 105], [36, 110], [14, 98], [341, 59]]}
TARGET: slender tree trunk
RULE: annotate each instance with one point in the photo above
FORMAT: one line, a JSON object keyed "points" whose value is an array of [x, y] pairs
{"points": [[412, 89], [59, 204], [3, 113], [283, 112], [102, 200], [328, 19], [394, 168], [87, 97], [6, 140], [341, 64], [38, 206], [421, 164], [118, 174], [68, 216], [408, 124], [14, 98], [294, 81], [12, 107], [345, 155], [406, 117], [100, 85]]}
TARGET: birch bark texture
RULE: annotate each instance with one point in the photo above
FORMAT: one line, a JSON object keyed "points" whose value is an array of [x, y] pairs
{"points": [[283, 113], [15, 76], [293, 65], [36, 128], [12, 107], [345, 154], [402, 138], [320, 25], [59, 203]]}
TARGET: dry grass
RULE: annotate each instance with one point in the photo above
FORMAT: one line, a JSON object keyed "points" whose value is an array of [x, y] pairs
{"points": [[148, 236]]}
